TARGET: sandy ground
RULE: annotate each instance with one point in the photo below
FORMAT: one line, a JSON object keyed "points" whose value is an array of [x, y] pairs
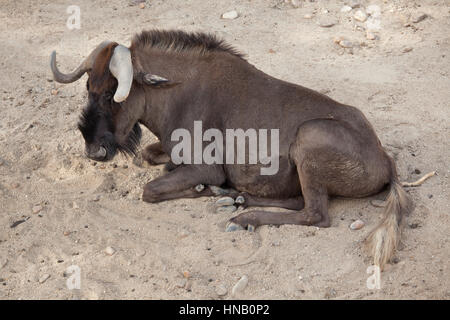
{"points": [[73, 209]]}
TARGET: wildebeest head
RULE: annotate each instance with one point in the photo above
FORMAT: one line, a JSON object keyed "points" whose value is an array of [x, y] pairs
{"points": [[110, 80]]}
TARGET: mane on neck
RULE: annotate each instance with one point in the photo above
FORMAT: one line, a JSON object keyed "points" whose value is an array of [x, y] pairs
{"points": [[181, 41]]}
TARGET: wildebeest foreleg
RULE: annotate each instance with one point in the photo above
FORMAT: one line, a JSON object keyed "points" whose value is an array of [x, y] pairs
{"points": [[184, 182], [154, 154]]}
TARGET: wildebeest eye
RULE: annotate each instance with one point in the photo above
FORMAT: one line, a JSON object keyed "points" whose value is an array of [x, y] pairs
{"points": [[108, 95]]}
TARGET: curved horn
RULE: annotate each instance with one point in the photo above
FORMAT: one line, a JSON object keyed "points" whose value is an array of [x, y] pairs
{"points": [[122, 69], [86, 65]]}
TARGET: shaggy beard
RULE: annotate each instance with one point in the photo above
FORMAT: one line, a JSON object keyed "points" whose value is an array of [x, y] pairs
{"points": [[129, 148]]}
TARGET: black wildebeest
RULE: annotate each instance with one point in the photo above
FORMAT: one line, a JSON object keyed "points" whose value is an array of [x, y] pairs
{"points": [[168, 79]]}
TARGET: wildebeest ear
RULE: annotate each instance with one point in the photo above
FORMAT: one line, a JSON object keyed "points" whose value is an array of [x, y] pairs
{"points": [[153, 79]]}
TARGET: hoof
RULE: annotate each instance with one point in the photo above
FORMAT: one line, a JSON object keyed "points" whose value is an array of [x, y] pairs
{"points": [[240, 200], [226, 209], [217, 191], [199, 187], [231, 226], [225, 201], [250, 228]]}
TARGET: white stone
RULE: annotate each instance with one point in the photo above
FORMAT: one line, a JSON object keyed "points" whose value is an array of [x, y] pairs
{"points": [[44, 278], [360, 16], [240, 285], [37, 208], [371, 36], [345, 43], [230, 15], [346, 9], [327, 22], [378, 203], [356, 225], [110, 251]]}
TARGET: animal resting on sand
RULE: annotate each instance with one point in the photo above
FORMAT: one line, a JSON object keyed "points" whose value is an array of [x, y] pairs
{"points": [[168, 79]]}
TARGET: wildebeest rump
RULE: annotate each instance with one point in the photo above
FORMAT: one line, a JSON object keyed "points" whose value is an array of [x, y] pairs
{"points": [[168, 79]]}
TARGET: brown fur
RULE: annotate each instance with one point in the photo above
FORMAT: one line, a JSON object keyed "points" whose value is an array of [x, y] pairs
{"points": [[100, 78], [326, 148]]}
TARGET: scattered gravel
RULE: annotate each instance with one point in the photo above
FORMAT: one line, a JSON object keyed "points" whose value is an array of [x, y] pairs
{"points": [[356, 225]]}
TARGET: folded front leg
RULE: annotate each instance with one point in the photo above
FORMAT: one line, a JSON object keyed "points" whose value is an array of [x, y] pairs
{"points": [[188, 181]]}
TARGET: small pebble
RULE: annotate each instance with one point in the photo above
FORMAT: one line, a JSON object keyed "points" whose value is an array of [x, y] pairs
{"points": [[54, 92], [36, 209], [110, 251], [407, 49], [221, 290], [140, 253], [360, 16], [230, 15], [142, 5], [184, 234], [345, 44], [378, 203], [308, 16], [419, 17], [346, 9], [44, 278], [240, 285], [327, 22], [371, 36], [66, 233], [417, 171], [356, 225]]}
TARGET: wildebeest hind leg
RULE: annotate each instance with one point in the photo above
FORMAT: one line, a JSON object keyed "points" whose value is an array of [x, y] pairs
{"points": [[314, 213], [245, 200], [184, 182]]}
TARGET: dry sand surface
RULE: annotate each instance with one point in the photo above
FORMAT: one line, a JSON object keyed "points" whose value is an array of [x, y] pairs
{"points": [[72, 208]]}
